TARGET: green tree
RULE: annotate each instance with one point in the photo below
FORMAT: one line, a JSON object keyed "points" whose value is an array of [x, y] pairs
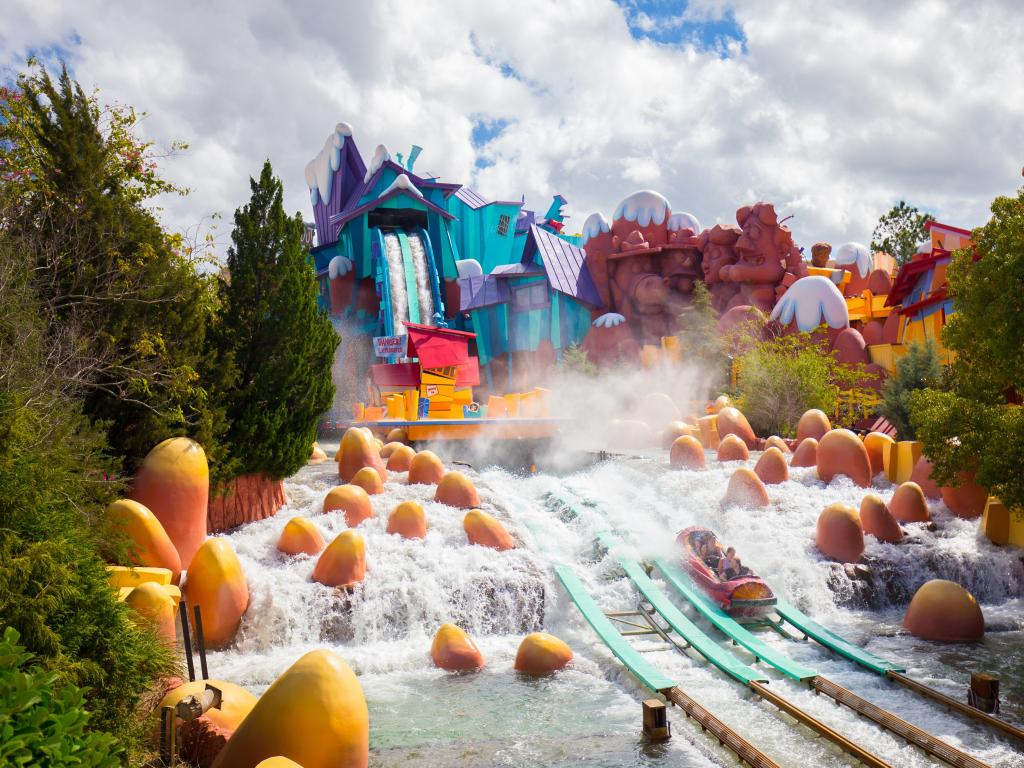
{"points": [[43, 722], [979, 425], [900, 231], [274, 336], [575, 360], [918, 369], [76, 180]]}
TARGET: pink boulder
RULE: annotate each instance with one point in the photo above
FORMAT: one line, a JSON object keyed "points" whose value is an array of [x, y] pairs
{"points": [[849, 347], [686, 453], [967, 498], [778, 442], [813, 423], [771, 467], [746, 489], [732, 422], [876, 519], [806, 454], [732, 448], [908, 504], [922, 475]]}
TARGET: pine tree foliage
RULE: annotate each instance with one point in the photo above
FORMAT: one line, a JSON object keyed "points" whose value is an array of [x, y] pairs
{"points": [[273, 334], [900, 231], [918, 369]]}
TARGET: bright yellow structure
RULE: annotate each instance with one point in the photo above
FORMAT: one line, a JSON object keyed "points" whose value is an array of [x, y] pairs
{"points": [[314, 714], [1002, 525], [900, 458], [125, 576]]}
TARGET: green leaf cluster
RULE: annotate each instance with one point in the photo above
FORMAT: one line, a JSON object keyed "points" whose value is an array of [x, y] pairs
{"points": [[900, 231], [979, 425], [43, 722], [782, 377]]}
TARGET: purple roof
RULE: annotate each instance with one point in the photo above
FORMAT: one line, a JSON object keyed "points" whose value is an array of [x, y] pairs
{"points": [[565, 265], [472, 198], [519, 269], [339, 220], [365, 187], [480, 291]]}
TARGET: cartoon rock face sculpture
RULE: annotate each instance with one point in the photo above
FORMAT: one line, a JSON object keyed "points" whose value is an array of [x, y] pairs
{"points": [[718, 246], [765, 252], [819, 254]]}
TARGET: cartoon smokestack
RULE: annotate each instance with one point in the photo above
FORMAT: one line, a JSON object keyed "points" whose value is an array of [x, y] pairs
{"points": [[413, 154]]}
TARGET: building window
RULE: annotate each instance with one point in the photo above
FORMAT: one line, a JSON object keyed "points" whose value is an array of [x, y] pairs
{"points": [[531, 296], [503, 223]]}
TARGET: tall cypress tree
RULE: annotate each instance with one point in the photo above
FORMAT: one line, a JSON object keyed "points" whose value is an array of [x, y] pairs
{"points": [[275, 336]]}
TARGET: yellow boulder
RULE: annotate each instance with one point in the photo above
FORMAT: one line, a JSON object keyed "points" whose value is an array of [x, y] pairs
{"points": [[484, 530], [358, 450], [425, 469], [149, 542], [368, 479], [352, 500], [278, 762], [401, 459], [152, 602], [174, 484], [314, 714], [390, 448], [343, 563], [457, 490], [541, 654], [236, 702], [454, 650], [408, 520], [300, 536], [215, 582]]}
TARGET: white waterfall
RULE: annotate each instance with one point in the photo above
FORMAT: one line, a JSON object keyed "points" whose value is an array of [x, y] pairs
{"points": [[396, 277], [420, 269]]}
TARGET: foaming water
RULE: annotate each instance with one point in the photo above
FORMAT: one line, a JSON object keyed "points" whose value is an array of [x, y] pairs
{"points": [[590, 713]]}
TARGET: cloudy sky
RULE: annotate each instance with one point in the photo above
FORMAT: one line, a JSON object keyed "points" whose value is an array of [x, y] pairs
{"points": [[832, 110]]}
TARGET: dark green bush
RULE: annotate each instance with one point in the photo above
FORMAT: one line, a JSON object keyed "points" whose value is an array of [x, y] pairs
{"points": [[918, 369]]}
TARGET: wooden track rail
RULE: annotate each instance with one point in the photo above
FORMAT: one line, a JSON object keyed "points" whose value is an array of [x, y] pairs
{"points": [[726, 736]]}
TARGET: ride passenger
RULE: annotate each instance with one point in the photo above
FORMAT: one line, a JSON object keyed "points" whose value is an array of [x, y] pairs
{"points": [[729, 566]]}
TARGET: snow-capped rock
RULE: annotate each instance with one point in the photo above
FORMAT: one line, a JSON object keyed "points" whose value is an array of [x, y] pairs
{"points": [[678, 221], [339, 266], [320, 170], [595, 224], [468, 268], [402, 182], [812, 301], [610, 320], [856, 254], [643, 207], [380, 156]]}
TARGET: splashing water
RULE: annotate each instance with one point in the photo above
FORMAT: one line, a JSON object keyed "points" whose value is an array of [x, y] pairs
{"points": [[590, 713]]}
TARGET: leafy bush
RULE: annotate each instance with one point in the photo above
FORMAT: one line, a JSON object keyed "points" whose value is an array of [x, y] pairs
{"points": [[918, 369], [575, 360], [782, 377], [43, 722]]}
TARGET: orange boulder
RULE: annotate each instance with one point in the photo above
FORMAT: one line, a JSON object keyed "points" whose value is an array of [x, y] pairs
{"points": [[457, 490], [908, 504], [875, 443], [746, 489], [839, 535], [151, 601], [300, 536], [944, 611], [174, 484], [484, 530], [454, 650], [215, 582], [732, 422], [771, 467], [806, 454], [922, 475], [674, 430], [401, 459], [149, 544], [876, 519], [352, 500], [778, 442], [343, 563], [317, 454], [708, 426], [686, 453], [722, 401], [277, 762], [967, 498], [408, 520], [398, 435], [541, 654], [732, 448], [425, 469], [659, 409], [390, 448], [840, 452], [813, 423], [358, 450], [368, 479]]}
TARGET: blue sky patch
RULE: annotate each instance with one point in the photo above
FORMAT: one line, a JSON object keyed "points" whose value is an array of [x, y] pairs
{"points": [[674, 23]]}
